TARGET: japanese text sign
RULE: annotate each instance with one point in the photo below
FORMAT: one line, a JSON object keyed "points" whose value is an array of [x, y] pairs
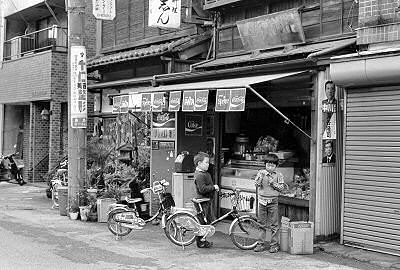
{"points": [[104, 9], [78, 87], [222, 100], [146, 102], [188, 101], [174, 101], [165, 13]]}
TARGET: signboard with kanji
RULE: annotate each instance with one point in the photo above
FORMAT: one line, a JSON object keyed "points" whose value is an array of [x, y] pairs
{"points": [[188, 101], [165, 13], [104, 9], [222, 100], [78, 87]]}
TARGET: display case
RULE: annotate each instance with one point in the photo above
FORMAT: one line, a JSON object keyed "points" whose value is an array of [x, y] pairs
{"points": [[239, 174]]}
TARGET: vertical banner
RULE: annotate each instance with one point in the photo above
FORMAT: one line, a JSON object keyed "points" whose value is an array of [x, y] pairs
{"points": [[238, 99], [78, 87], [146, 102], [135, 102], [329, 107], [124, 104], [104, 9], [201, 100], [222, 100], [116, 106], [188, 101], [165, 13], [174, 101], [158, 103], [163, 126]]}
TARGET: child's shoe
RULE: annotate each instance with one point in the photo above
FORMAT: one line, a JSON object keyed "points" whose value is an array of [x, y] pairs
{"points": [[260, 247], [274, 249]]}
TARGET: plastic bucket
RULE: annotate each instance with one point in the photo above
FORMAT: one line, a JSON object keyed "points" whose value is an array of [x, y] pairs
{"points": [[284, 240], [63, 200]]}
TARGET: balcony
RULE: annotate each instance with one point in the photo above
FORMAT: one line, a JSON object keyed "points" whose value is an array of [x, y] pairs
{"points": [[51, 38]]}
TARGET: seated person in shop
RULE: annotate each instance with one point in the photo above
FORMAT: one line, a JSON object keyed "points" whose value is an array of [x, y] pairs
{"points": [[269, 183], [210, 152], [329, 157], [205, 188]]}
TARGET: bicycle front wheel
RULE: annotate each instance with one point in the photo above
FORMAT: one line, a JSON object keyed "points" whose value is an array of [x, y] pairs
{"points": [[114, 227], [180, 228], [245, 233]]}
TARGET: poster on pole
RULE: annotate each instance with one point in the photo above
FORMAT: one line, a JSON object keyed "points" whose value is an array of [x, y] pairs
{"points": [[78, 87], [165, 13], [104, 9]]}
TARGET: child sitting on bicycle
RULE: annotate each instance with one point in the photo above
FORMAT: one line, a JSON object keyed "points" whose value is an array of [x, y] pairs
{"points": [[270, 183], [205, 188]]}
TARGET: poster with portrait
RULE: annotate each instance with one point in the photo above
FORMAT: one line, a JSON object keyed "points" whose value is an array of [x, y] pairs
{"points": [[329, 108]]}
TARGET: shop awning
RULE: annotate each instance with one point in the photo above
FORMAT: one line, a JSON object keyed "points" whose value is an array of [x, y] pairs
{"points": [[218, 84]]}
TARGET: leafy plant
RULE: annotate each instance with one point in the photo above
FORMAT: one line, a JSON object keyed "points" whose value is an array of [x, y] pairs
{"points": [[74, 205]]}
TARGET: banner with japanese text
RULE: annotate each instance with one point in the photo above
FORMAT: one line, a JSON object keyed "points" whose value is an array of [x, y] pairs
{"points": [[165, 13], [222, 100], [146, 102], [174, 101], [238, 99], [78, 87], [188, 101], [104, 9]]}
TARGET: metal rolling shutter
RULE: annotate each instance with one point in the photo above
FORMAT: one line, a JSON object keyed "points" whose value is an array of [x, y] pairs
{"points": [[372, 170]]}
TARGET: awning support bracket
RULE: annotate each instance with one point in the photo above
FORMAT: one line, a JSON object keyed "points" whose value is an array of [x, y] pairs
{"points": [[286, 119]]}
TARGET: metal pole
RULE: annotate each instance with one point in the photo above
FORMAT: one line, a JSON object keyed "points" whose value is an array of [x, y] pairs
{"points": [[76, 136], [287, 120]]}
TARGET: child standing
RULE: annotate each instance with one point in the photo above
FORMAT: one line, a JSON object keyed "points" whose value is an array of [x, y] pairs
{"points": [[270, 183], [205, 188]]}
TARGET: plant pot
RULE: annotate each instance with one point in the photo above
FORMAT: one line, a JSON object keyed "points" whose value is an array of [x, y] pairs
{"points": [[84, 211], [73, 215]]}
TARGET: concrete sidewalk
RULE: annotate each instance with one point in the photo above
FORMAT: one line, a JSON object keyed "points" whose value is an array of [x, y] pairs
{"points": [[39, 201]]}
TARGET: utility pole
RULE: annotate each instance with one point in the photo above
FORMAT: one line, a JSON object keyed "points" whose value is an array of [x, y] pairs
{"points": [[76, 136]]}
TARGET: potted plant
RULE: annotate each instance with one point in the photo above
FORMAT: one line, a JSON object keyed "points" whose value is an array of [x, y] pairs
{"points": [[84, 207], [73, 209]]}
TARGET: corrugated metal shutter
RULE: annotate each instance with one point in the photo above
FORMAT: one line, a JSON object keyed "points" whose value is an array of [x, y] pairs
{"points": [[372, 170]]}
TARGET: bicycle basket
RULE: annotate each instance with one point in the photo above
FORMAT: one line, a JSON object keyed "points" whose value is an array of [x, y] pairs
{"points": [[168, 200]]}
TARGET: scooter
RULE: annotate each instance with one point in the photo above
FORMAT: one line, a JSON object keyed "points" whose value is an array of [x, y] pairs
{"points": [[11, 167]]}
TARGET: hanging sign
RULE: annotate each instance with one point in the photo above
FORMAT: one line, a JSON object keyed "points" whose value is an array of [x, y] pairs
{"points": [[163, 126], [222, 100], [158, 102], [124, 104], [165, 13], [174, 101], [201, 100], [116, 106], [135, 102], [146, 102], [188, 101], [78, 87], [104, 9], [193, 125], [237, 100]]}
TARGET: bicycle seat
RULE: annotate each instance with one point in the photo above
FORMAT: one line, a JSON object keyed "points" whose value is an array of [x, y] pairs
{"points": [[134, 200], [201, 200], [61, 171]]}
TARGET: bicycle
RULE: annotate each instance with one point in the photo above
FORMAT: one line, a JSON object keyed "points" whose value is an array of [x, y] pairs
{"points": [[60, 179], [244, 230], [122, 219]]}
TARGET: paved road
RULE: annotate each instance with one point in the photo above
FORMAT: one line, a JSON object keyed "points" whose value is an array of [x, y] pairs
{"points": [[34, 236]]}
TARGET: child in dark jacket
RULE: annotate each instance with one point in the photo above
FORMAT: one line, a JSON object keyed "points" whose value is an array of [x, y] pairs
{"points": [[270, 183], [205, 188]]}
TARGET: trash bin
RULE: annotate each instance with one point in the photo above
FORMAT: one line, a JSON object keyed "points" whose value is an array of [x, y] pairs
{"points": [[63, 200], [284, 241]]}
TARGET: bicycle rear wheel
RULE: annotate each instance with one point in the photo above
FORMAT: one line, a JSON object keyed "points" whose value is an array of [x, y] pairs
{"points": [[179, 228], [245, 233], [114, 227]]}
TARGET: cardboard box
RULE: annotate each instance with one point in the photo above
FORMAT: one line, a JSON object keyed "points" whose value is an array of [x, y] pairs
{"points": [[301, 236]]}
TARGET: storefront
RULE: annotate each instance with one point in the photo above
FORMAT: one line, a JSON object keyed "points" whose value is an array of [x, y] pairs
{"points": [[237, 121], [371, 204]]}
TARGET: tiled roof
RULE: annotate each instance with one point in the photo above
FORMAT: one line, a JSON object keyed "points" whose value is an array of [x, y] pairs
{"points": [[153, 50], [289, 51]]}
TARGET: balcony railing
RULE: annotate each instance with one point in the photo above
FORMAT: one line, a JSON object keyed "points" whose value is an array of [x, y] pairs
{"points": [[52, 38]]}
